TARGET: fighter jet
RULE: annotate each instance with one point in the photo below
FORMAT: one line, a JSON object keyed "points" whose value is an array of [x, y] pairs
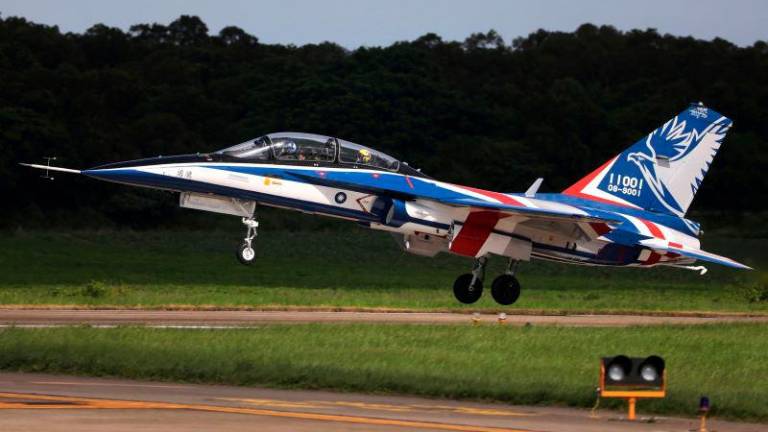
{"points": [[629, 212]]}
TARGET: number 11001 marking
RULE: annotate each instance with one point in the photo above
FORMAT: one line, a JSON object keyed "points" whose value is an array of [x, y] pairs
{"points": [[625, 184]]}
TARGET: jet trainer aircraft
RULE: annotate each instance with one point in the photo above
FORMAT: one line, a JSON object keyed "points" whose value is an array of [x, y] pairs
{"points": [[628, 212]]}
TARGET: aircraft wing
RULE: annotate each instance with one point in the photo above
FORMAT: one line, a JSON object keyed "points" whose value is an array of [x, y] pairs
{"points": [[697, 254], [455, 195], [485, 230], [519, 210], [567, 221]]}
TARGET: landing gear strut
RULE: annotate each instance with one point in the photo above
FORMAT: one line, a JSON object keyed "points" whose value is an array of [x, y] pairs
{"points": [[505, 288], [469, 287], [245, 252]]}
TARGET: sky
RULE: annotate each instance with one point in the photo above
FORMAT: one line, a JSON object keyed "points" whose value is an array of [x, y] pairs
{"points": [[354, 23]]}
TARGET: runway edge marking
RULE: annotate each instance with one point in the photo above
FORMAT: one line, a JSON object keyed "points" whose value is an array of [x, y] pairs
{"points": [[94, 403]]}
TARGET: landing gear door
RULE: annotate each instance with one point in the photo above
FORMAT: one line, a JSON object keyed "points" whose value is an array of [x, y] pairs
{"points": [[217, 204]]}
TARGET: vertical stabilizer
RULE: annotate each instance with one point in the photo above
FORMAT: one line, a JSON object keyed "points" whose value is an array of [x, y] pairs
{"points": [[662, 171]]}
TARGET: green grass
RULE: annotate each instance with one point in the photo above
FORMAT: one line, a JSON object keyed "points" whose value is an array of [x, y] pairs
{"points": [[348, 267], [523, 365]]}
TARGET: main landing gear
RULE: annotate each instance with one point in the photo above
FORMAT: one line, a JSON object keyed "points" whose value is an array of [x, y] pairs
{"points": [[245, 252], [469, 287], [505, 289]]}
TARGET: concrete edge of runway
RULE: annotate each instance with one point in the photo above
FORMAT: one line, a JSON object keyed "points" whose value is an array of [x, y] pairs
{"points": [[484, 311], [35, 318]]}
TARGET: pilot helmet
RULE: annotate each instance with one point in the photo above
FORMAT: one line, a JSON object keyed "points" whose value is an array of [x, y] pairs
{"points": [[289, 147], [365, 155]]}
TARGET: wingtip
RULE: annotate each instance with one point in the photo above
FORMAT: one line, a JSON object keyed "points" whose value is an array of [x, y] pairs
{"points": [[738, 265]]}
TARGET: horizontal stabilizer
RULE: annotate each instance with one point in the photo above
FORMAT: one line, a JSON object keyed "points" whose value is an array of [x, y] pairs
{"points": [[697, 254]]}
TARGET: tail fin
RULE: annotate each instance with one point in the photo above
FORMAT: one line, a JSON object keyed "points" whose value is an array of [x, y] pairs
{"points": [[662, 171]]}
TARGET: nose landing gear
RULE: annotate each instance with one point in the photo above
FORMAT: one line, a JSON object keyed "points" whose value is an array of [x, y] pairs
{"points": [[469, 287], [245, 253], [505, 288]]}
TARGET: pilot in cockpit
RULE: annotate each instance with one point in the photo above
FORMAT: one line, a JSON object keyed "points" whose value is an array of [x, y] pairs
{"points": [[364, 156], [286, 150]]}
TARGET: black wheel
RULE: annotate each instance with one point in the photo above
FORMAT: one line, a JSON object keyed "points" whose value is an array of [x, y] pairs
{"points": [[465, 291], [245, 254], [505, 289]]}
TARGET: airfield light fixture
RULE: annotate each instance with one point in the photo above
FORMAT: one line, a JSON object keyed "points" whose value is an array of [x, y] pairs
{"points": [[704, 405], [475, 318], [703, 411], [632, 378]]}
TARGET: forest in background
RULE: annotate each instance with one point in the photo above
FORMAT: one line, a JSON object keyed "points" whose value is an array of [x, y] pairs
{"points": [[484, 111]]}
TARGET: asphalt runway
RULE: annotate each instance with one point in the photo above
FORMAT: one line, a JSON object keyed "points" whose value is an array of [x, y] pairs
{"points": [[232, 318], [64, 403]]}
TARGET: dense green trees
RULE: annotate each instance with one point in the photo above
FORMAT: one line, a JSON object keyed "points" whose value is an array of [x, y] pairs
{"points": [[481, 111]]}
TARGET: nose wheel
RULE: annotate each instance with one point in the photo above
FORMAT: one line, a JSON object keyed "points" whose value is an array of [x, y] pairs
{"points": [[245, 252], [469, 287]]}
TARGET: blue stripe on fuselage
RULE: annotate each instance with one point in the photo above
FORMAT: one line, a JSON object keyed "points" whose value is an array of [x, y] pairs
{"points": [[390, 183]]}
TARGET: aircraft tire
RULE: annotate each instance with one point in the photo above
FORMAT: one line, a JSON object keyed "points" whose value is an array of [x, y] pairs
{"points": [[245, 254], [464, 292], [505, 289]]}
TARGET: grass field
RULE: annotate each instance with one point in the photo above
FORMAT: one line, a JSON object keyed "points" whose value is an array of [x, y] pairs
{"points": [[338, 268], [529, 365]]}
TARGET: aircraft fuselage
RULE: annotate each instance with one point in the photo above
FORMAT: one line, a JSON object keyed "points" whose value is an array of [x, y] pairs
{"points": [[383, 200]]}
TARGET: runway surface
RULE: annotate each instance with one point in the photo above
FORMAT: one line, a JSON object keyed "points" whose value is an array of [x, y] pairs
{"points": [[64, 403], [230, 318]]}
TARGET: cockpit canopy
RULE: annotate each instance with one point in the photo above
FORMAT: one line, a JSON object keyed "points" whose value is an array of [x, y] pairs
{"points": [[297, 147]]}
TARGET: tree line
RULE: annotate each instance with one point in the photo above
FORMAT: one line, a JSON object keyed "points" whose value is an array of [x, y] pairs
{"points": [[483, 111]]}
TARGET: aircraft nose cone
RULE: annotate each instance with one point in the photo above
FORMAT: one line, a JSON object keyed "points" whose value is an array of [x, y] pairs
{"points": [[109, 174]]}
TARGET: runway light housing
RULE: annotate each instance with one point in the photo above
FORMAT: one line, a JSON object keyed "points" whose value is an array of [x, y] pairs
{"points": [[632, 378], [642, 372]]}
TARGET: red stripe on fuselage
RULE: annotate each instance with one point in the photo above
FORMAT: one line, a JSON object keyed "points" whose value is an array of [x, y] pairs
{"points": [[653, 258], [655, 230], [475, 232], [504, 199], [600, 228]]}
